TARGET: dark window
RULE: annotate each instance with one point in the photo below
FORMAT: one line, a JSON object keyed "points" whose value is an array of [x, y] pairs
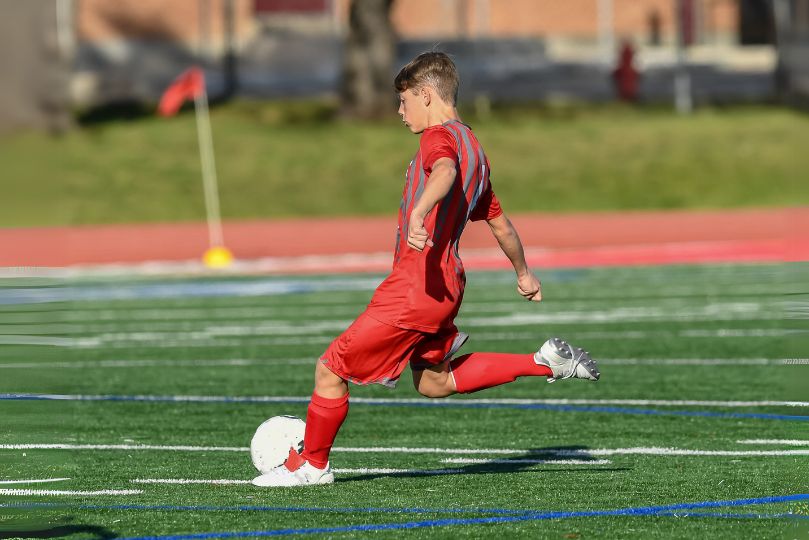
{"points": [[290, 6], [756, 25]]}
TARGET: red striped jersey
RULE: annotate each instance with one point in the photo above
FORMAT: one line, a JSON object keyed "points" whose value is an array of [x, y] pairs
{"points": [[424, 290]]}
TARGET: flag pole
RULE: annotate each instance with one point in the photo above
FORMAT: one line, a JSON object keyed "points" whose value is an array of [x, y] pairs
{"points": [[217, 255]]}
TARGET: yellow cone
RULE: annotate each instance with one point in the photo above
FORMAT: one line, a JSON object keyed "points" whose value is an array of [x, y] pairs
{"points": [[218, 257]]}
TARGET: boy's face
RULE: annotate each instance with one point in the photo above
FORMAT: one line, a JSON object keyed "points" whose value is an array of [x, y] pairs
{"points": [[413, 109]]}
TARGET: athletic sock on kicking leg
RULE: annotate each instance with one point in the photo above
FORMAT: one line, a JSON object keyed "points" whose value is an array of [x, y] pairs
{"points": [[476, 371], [323, 420]]}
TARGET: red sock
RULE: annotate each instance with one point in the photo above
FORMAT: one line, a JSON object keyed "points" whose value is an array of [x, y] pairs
{"points": [[476, 371], [323, 420]]}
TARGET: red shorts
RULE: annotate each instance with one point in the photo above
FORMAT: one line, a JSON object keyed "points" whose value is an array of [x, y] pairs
{"points": [[373, 352]]}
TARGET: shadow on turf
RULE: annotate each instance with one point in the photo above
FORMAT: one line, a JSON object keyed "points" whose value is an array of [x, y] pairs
{"points": [[510, 464], [60, 531]]}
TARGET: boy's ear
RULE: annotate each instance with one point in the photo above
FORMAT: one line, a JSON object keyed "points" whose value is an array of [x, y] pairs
{"points": [[426, 96]]}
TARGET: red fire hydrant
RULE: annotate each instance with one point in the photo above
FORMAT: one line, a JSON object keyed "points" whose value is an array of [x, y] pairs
{"points": [[625, 76]]}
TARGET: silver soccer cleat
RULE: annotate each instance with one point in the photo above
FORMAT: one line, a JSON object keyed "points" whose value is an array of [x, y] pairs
{"points": [[566, 362]]}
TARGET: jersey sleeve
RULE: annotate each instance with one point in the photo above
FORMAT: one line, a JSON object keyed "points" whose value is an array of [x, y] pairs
{"points": [[436, 144], [488, 207]]}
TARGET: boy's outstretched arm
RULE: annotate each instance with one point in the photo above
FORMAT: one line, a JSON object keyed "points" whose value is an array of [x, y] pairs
{"points": [[527, 283]]}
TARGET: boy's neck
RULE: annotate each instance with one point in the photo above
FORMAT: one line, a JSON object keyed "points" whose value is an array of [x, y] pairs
{"points": [[441, 116]]}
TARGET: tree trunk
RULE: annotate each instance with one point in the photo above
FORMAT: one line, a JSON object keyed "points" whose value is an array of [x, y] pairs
{"points": [[370, 49]]}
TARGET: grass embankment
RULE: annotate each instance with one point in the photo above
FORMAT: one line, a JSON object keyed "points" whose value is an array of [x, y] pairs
{"points": [[281, 160]]}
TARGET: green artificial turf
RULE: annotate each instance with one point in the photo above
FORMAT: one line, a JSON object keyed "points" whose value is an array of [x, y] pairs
{"points": [[191, 337], [277, 160]]}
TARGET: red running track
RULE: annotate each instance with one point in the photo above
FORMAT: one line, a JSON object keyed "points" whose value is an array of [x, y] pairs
{"points": [[565, 240]]}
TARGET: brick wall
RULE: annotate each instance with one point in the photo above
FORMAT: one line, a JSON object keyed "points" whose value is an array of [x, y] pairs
{"points": [[175, 20], [101, 20], [574, 18]]}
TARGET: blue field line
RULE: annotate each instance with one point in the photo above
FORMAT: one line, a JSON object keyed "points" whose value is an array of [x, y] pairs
{"points": [[364, 510], [533, 516], [250, 508], [455, 403], [187, 289], [731, 515], [593, 408], [225, 288]]}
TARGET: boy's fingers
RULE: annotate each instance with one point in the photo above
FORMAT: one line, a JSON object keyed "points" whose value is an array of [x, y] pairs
{"points": [[418, 237], [415, 243], [536, 296], [418, 242]]}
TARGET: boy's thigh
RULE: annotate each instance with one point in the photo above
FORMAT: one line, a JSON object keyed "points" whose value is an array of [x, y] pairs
{"points": [[371, 352]]}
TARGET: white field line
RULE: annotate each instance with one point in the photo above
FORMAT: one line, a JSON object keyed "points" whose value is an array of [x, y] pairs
{"points": [[166, 448], [288, 327], [201, 289], [481, 461], [263, 265], [642, 334], [655, 451], [172, 316], [145, 333], [786, 442], [39, 481], [712, 312], [186, 318], [225, 362], [307, 361], [224, 313], [13, 339], [258, 266], [652, 451], [627, 283], [158, 340], [742, 332], [704, 361], [162, 342], [223, 481], [397, 471], [25, 492], [405, 401], [797, 361], [361, 470], [584, 453]]}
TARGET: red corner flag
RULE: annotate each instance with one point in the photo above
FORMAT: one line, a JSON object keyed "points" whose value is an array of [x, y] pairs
{"points": [[190, 84]]}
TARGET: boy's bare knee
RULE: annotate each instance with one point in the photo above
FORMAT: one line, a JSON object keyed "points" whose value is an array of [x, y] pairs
{"points": [[434, 392], [433, 385], [328, 384]]}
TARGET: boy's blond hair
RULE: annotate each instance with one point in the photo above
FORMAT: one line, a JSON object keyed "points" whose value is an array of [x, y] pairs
{"points": [[434, 69]]}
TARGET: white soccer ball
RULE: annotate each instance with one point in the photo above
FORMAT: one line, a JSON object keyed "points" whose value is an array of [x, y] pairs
{"points": [[270, 445]]}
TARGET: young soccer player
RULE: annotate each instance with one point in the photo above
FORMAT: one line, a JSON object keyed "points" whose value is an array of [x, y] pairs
{"points": [[410, 317]]}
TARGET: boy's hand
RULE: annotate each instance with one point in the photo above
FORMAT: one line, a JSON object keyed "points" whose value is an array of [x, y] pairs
{"points": [[417, 236], [529, 287]]}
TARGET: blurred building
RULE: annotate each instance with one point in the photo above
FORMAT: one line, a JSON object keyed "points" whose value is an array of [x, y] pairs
{"points": [[201, 22], [650, 21], [132, 48], [36, 67], [792, 31], [507, 49]]}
